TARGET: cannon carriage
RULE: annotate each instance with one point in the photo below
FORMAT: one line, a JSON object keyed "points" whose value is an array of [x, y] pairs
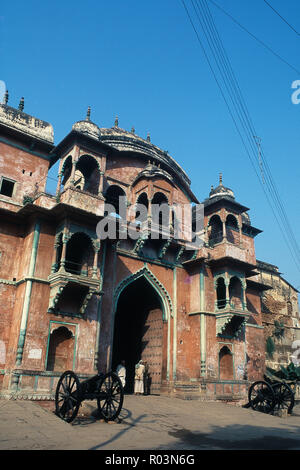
{"points": [[106, 388], [273, 394]]}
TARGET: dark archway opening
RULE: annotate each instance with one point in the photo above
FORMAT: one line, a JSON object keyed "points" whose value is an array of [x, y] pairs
{"points": [[138, 333], [61, 349], [215, 230], [225, 364], [79, 255]]}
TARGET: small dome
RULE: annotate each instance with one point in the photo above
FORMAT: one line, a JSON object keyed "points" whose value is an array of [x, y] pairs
{"points": [[87, 128], [221, 190]]}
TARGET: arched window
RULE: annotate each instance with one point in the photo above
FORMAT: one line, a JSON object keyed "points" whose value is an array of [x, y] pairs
{"points": [[66, 171], [221, 293], [235, 292], [215, 230], [112, 197], [160, 210], [87, 174], [80, 255], [61, 350], [142, 211], [225, 364], [231, 227]]}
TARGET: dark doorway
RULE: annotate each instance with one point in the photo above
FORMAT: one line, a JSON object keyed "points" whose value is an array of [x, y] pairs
{"points": [[61, 350], [138, 333]]}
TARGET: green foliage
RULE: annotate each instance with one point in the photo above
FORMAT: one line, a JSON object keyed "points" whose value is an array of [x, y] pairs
{"points": [[270, 347], [291, 372]]}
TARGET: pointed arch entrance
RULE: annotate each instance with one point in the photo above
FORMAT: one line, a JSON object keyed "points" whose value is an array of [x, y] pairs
{"points": [[140, 332]]}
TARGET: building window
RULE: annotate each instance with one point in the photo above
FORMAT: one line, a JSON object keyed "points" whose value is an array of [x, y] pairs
{"points": [[221, 293], [7, 187]]}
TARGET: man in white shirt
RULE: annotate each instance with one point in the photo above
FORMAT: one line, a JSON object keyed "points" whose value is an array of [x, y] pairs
{"points": [[121, 372]]}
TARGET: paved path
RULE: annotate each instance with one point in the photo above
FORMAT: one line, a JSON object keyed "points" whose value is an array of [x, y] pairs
{"points": [[148, 422]]}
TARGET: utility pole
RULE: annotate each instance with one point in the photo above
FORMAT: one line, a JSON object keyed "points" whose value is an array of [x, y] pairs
{"points": [[258, 143]]}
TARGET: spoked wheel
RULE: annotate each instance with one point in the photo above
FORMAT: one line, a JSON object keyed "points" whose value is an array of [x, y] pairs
{"points": [[67, 396], [261, 397], [110, 396], [284, 395]]}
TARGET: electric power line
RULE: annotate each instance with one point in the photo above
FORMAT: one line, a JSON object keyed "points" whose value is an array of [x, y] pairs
{"points": [[278, 14], [231, 85], [255, 37]]}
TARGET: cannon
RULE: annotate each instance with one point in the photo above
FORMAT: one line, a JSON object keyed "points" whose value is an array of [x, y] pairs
{"points": [[269, 396], [106, 388]]}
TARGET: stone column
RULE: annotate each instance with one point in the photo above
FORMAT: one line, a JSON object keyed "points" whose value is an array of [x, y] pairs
{"points": [[96, 244], [58, 183], [244, 297], [224, 230], [74, 162], [100, 189], [65, 240], [227, 282]]}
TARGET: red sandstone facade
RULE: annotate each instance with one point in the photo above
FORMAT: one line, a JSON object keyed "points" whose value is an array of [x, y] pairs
{"points": [[70, 300]]}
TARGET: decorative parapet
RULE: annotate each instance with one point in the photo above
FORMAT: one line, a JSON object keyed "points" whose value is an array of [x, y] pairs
{"points": [[16, 119]]}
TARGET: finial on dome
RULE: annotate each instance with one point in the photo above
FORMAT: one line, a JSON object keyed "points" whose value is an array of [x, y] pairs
{"points": [[212, 187], [221, 179], [88, 114], [5, 99], [21, 104], [117, 122], [148, 137]]}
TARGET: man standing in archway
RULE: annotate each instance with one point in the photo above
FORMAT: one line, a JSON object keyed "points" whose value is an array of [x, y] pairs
{"points": [[139, 378], [121, 372]]}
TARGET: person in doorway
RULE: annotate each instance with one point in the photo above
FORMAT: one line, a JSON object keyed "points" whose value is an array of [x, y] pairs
{"points": [[139, 378], [121, 372]]}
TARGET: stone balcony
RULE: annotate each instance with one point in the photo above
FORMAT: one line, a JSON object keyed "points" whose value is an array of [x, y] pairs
{"points": [[73, 288], [83, 200], [230, 320], [237, 251]]}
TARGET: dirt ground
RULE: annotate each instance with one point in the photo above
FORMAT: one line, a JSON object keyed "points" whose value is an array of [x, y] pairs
{"points": [[148, 423]]}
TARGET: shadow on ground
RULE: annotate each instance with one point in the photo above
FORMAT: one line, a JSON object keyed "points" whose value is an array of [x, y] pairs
{"points": [[267, 438]]}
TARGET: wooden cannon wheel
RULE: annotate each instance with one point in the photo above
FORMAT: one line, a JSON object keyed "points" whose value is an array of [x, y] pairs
{"points": [[284, 397], [110, 396], [67, 396], [261, 397]]}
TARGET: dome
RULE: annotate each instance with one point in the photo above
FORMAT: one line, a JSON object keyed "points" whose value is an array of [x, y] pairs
{"points": [[221, 191], [87, 127]]}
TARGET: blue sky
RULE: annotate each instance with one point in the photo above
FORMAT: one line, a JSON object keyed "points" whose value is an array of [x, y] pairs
{"points": [[142, 61]]}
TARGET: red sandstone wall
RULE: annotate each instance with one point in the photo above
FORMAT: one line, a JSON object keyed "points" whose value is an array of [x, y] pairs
{"points": [[35, 171]]}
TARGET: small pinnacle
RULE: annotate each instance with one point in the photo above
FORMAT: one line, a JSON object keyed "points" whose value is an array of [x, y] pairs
{"points": [[5, 100], [88, 114], [221, 179], [21, 104], [133, 130], [116, 121], [148, 137]]}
